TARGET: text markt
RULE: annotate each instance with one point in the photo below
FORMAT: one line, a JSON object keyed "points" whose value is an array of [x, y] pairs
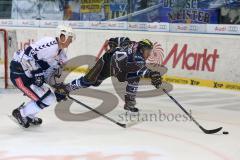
{"points": [[193, 60]]}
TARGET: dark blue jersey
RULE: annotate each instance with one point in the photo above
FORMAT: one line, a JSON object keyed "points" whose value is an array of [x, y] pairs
{"points": [[129, 63]]}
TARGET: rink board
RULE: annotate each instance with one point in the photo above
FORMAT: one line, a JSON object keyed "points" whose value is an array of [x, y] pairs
{"points": [[180, 80], [211, 60]]}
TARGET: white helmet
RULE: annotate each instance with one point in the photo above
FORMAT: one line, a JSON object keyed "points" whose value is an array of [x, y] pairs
{"points": [[67, 31]]}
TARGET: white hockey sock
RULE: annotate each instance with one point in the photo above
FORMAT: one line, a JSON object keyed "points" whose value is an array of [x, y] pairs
{"points": [[30, 109]]}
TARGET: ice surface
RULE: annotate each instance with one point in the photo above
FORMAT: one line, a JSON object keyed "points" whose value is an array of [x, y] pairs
{"points": [[99, 139]]}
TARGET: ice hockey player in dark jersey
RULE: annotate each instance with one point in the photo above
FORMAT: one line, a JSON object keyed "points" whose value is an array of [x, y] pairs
{"points": [[37, 65], [126, 60]]}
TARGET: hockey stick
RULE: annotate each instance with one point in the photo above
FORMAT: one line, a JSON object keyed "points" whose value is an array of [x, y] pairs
{"points": [[190, 116], [86, 106]]}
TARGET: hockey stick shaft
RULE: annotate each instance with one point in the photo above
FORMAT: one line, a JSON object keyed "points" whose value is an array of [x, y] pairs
{"points": [[190, 116], [97, 112], [183, 109]]}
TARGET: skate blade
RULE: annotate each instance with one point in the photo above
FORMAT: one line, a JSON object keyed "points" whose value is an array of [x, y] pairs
{"points": [[135, 122], [131, 124], [34, 126], [129, 113], [16, 121]]}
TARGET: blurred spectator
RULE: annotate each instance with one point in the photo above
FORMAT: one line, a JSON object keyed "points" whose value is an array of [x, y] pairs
{"points": [[72, 10], [143, 4], [230, 15], [37, 9], [175, 11], [5, 9], [118, 8]]}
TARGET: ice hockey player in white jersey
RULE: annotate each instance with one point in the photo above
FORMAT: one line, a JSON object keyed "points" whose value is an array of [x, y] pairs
{"points": [[32, 68]]}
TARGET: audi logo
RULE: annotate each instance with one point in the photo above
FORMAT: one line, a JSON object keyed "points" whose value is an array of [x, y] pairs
{"points": [[233, 29], [193, 28], [161, 26]]}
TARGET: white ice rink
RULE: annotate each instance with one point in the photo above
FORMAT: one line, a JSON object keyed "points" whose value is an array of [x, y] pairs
{"points": [[100, 139]]}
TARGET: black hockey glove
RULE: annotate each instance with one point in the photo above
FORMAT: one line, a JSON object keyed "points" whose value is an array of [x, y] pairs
{"points": [[38, 77], [61, 92], [60, 97], [156, 78]]}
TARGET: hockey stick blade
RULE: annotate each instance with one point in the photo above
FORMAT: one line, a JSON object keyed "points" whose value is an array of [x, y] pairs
{"points": [[131, 124], [213, 131], [122, 125]]}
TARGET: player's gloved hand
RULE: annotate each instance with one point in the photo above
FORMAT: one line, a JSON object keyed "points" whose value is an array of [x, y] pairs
{"points": [[60, 97], [61, 92], [156, 78], [38, 77]]}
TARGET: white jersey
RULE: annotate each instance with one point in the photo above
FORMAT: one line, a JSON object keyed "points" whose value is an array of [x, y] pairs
{"points": [[46, 49]]}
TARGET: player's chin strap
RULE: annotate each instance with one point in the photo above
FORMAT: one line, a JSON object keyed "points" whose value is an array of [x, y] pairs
{"points": [[188, 114]]}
